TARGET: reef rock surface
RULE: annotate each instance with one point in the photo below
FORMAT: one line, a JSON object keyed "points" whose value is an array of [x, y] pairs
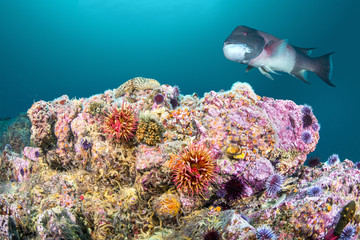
{"points": [[145, 162]]}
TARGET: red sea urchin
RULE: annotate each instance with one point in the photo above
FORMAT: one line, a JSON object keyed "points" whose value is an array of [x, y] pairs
{"points": [[212, 234], [314, 161], [122, 123], [194, 169], [235, 189]]}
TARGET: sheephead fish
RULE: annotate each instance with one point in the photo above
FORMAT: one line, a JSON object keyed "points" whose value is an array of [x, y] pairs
{"points": [[270, 54]]}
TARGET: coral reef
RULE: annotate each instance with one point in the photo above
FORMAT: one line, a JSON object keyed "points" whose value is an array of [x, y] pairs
{"points": [[144, 162]]}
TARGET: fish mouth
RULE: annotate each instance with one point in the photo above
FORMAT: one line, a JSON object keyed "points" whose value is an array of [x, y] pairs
{"points": [[236, 52], [231, 42]]}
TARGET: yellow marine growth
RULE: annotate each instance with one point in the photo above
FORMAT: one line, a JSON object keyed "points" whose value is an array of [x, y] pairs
{"points": [[95, 107], [150, 130], [167, 206]]}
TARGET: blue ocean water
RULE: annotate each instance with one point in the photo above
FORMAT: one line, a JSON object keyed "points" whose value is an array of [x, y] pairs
{"points": [[53, 47]]}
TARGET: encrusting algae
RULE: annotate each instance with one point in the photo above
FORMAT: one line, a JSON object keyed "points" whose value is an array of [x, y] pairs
{"points": [[144, 162]]}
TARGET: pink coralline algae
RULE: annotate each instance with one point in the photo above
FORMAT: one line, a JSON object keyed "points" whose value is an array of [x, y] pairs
{"points": [[22, 169], [42, 117], [32, 153], [312, 215], [75, 174], [145, 153]]}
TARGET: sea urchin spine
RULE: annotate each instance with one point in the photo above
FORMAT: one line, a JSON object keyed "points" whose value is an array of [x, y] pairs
{"points": [[333, 159], [314, 191], [306, 137], [274, 184], [348, 233], [264, 232], [234, 189]]}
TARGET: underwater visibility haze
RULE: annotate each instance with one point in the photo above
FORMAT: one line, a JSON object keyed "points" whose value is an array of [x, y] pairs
{"points": [[122, 96], [50, 48]]}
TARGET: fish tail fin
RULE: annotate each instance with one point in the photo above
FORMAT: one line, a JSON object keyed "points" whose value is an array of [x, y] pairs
{"points": [[324, 67]]}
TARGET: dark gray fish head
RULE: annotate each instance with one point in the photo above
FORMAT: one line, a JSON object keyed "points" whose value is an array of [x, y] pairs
{"points": [[243, 44]]}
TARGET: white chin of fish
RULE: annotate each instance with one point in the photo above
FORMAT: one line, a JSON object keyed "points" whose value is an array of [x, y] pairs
{"points": [[235, 52]]}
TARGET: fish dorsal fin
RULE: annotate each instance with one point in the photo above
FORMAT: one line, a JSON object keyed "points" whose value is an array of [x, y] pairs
{"points": [[307, 51], [248, 68], [275, 48]]}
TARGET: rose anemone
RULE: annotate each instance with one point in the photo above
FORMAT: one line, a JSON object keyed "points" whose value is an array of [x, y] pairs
{"points": [[194, 169], [122, 123]]}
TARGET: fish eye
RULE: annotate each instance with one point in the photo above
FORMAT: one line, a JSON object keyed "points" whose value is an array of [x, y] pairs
{"points": [[245, 33]]}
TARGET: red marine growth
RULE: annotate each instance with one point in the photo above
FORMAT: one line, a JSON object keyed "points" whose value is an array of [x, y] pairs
{"points": [[194, 169], [121, 124]]}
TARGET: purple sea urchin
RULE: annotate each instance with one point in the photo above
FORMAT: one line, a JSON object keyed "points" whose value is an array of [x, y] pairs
{"points": [[85, 144], [176, 92], [174, 102], [307, 120], [348, 233], [37, 154], [234, 189], [314, 161], [273, 184], [314, 191], [357, 165], [316, 126], [333, 159], [306, 137], [159, 98], [306, 109], [264, 232]]}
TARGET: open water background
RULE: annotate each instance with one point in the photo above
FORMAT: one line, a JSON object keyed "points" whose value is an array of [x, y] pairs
{"points": [[53, 47]]}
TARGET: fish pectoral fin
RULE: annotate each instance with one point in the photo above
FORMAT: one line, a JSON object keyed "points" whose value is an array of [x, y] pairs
{"points": [[275, 48], [268, 69], [266, 73], [248, 68]]}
